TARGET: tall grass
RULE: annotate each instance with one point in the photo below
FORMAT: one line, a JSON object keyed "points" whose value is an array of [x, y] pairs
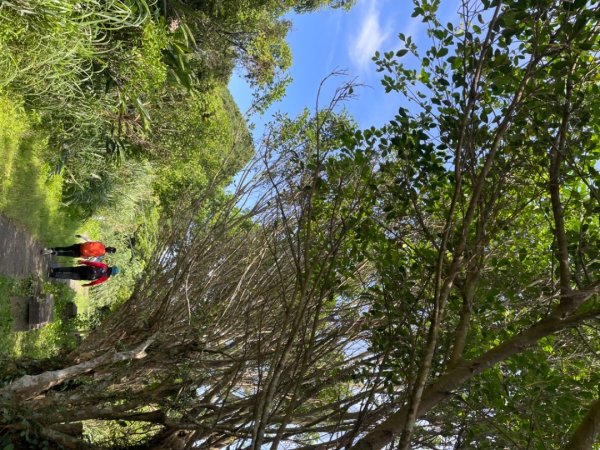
{"points": [[77, 66], [128, 220], [52, 49], [85, 68]]}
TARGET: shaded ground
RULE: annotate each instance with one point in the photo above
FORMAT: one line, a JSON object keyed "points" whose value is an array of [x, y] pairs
{"points": [[20, 252]]}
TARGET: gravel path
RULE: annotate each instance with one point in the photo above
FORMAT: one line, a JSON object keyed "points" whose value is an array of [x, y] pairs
{"points": [[20, 252]]}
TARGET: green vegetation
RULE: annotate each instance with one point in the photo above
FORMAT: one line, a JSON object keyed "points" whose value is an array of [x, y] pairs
{"points": [[432, 283], [26, 182], [50, 340], [113, 115], [105, 122]]}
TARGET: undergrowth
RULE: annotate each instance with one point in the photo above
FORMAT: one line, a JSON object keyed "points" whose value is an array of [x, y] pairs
{"points": [[105, 118], [44, 342]]}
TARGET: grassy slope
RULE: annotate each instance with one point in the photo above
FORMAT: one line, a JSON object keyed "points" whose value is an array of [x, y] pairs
{"points": [[31, 198], [27, 194]]}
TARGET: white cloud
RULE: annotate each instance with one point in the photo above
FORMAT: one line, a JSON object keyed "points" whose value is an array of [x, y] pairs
{"points": [[335, 23], [370, 36]]}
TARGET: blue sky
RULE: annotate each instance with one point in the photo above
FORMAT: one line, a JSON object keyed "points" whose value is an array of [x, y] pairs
{"points": [[335, 39]]}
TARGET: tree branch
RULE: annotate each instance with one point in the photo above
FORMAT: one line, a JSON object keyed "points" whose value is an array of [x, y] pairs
{"points": [[29, 386]]}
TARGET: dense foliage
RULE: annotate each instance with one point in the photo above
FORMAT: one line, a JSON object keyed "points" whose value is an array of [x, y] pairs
{"points": [[112, 110], [432, 283]]}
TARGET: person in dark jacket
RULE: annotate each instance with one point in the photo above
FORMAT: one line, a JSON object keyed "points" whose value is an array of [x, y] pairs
{"points": [[96, 272], [87, 249]]}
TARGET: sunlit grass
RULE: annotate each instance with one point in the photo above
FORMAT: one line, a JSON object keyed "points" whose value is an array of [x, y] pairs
{"points": [[27, 193], [31, 195], [32, 198], [8, 288], [13, 124]]}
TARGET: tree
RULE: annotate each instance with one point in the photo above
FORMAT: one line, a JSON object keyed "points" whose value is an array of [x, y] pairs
{"points": [[432, 283], [236, 298], [507, 107], [245, 34]]}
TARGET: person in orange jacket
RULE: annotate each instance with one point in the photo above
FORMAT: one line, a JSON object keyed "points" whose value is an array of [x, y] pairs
{"points": [[87, 249], [96, 272]]}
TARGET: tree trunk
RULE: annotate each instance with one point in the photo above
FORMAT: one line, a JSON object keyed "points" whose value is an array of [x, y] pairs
{"points": [[588, 432], [435, 393], [29, 386]]}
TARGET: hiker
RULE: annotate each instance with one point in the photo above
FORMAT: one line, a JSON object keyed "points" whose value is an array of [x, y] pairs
{"points": [[87, 249], [97, 272]]}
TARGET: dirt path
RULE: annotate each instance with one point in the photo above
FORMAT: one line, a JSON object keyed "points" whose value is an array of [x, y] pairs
{"points": [[20, 252]]}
